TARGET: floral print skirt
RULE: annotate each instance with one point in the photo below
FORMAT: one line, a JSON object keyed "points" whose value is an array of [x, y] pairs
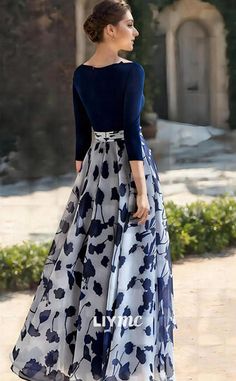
{"points": [[103, 308]]}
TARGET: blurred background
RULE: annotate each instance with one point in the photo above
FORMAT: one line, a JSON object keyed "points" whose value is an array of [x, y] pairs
{"points": [[188, 51]]}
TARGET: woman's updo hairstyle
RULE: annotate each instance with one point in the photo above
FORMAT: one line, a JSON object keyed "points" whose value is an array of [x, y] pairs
{"points": [[104, 13]]}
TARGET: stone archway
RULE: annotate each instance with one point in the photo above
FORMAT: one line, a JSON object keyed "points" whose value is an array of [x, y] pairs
{"points": [[206, 25], [192, 67]]}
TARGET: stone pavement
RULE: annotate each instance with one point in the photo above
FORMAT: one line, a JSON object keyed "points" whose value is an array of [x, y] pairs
{"points": [[205, 306], [205, 300]]}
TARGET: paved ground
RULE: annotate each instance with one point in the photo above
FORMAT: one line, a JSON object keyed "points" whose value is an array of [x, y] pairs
{"points": [[205, 305]]}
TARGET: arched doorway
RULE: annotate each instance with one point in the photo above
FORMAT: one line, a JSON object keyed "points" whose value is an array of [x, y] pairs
{"points": [[192, 69]]}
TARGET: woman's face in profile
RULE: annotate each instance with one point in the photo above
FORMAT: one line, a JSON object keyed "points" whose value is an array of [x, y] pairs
{"points": [[126, 33]]}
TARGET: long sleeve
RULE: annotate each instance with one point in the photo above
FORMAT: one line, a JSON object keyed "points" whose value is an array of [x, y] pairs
{"points": [[132, 109], [83, 130]]}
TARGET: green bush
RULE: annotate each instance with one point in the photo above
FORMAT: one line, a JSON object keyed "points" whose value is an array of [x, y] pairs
{"points": [[196, 228], [21, 265], [201, 227]]}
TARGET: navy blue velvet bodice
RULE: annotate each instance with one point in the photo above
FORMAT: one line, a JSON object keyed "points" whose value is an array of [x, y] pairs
{"points": [[109, 98]]}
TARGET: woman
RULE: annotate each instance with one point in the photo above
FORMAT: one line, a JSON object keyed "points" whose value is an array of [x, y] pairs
{"points": [[103, 309]]}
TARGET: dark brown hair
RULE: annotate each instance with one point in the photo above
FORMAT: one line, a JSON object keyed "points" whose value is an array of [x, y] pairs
{"points": [[104, 13]]}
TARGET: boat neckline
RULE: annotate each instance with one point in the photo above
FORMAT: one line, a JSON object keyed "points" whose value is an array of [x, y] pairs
{"points": [[103, 67]]}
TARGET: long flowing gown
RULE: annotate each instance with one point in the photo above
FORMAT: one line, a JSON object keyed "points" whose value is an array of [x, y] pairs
{"points": [[103, 309]]}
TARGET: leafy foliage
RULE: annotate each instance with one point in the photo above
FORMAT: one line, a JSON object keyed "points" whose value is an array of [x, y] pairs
{"points": [[37, 50], [202, 227], [21, 265]]}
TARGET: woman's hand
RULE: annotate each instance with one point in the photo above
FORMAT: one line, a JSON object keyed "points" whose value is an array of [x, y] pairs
{"points": [[78, 165], [143, 208]]}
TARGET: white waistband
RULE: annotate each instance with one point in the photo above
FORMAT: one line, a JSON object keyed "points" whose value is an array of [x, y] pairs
{"points": [[109, 135]]}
